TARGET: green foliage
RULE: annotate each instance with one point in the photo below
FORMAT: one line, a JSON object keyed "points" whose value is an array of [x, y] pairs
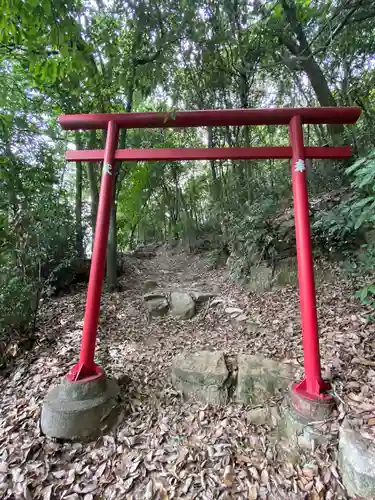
{"points": [[336, 230], [350, 223], [367, 296], [344, 225], [36, 224], [37, 241], [17, 307], [249, 235], [363, 205]]}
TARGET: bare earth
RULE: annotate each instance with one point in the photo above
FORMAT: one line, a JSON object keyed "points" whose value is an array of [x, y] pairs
{"points": [[163, 447]]}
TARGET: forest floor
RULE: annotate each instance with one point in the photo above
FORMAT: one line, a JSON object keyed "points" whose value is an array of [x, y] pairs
{"points": [[162, 446]]}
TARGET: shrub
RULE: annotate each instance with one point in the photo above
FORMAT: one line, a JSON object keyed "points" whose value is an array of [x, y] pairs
{"points": [[37, 241], [348, 223]]}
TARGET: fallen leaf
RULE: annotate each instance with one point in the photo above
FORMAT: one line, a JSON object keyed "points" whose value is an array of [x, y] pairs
{"points": [[71, 476], [255, 474], [241, 317], [327, 477], [314, 496], [309, 486], [187, 485], [89, 488], [149, 493], [253, 492], [160, 489], [363, 361], [356, 397], [215, 302], [3, 468], [243, 459], [319, 485], [264, 476], [58, 474], [233, 310], [128, 484], [100, 470], [228, 477], [47, 492]]}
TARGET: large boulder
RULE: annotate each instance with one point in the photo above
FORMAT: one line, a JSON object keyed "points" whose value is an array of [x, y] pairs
{"points": [[260, 278], [62, 277], [286, 272], [202, 376], [260, 379], [182, 305]]}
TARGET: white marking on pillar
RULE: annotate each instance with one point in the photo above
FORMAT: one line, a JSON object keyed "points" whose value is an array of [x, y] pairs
{"points": [[300, 166]]}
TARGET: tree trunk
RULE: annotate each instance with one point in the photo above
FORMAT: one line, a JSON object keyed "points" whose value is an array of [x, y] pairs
{"points": [[112, 247], [93, 184], [215, 180], [323, 93], [112, 237], [78, 211], [78, 204], [302, 51], [318, 81]]}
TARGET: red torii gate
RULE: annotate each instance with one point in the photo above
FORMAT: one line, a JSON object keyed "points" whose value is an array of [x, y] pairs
{"points": [[313, 387]]}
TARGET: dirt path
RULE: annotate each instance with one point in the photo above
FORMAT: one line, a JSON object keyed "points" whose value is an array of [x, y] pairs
{"points": [[165, 448]]}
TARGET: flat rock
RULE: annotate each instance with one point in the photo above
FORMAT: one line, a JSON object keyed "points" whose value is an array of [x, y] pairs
{"points": [[131, 311], [182, 305], [356, 462], [149, 285], [260, 379], [260, 278], [201, 297], [233, 311], [153, 295], [264, 415], [157, 306], [258, 416], [241, 317], [252, 327], [201, 376], [286, 272]]}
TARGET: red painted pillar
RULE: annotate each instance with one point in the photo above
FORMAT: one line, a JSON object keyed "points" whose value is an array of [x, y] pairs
{"points": [[86, 366], [312, 387]]}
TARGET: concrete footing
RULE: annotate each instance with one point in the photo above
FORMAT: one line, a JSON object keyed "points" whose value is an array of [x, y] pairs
{"points": [[79, 410], [304, 420], [302, 431]]}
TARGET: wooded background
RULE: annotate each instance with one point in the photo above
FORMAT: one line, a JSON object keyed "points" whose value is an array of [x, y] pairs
{"points": [[95, 56]]}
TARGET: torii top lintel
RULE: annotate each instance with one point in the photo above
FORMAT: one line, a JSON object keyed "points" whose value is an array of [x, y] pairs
{"points": [[216, 117]]}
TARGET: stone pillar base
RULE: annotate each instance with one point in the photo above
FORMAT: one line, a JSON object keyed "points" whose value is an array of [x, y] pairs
{"points": [[303, 420], [311, 409], [79, 410]]}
